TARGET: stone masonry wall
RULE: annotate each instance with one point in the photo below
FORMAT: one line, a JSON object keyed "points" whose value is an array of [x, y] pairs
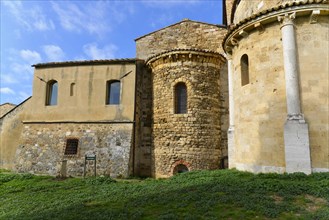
{"points": [[143, 130], [43, 146], [260, 106], [5, 108], [10, 133], [184, 35], [192, 139], [224, 113]]}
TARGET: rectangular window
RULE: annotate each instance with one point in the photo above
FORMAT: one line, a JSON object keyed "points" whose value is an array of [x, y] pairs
{"points": [[71, 147], [113, 93]]}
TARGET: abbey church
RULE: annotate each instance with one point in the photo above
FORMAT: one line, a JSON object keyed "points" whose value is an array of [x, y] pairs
{"points": [[251, 94]]}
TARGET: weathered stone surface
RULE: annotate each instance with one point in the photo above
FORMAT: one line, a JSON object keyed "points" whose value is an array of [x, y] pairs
{"points": [[6, 107], [184, 35], [43, 146], [10, 134], [260, 106], [193, 138]]}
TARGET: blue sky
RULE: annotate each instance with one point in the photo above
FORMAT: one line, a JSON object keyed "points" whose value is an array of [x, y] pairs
{"points": [[47, 31]]}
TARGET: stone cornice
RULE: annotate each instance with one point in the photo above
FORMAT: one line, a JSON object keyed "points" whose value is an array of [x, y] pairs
{"points": [[186, 55], [259, 20]]}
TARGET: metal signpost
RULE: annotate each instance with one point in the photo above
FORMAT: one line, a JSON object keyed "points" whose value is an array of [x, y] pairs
{"points": [[89, 157]]}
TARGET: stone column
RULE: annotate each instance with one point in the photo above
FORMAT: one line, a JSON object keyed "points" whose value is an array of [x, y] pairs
{"points": [[296, 137], [230, 132]]}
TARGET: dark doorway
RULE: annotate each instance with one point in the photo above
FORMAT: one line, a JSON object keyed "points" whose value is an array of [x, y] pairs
{"points": [[180, 168]]}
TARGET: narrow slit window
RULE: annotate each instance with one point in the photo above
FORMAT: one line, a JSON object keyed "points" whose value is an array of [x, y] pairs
{"points": [[71, 147], [52, 93], [244, 70], [113, 93], [180, 98], [72, 88]]}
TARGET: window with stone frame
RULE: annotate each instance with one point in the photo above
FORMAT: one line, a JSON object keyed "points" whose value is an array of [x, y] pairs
{"points": [[180, 98], [244, 64], [71, 147], [113, 92], [52, 92]]}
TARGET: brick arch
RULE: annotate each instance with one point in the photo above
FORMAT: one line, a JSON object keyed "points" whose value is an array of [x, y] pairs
{"points": [[178, 162]]}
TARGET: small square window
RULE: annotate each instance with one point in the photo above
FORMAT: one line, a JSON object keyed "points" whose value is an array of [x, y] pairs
{"points": [[71, 147]]}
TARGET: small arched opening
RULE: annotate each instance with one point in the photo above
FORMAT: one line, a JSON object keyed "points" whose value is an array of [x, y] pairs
{"points": [[180, 168]]}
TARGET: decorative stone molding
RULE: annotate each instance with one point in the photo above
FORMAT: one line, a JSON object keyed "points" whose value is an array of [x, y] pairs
{"points": [[185, 55], [259, 21], [299, 117], [260, 27], [314, 16], [243, 33]]}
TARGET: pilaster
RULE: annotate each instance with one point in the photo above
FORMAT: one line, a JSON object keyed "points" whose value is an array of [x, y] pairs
{"points": [[230, 132], [296, 134]]}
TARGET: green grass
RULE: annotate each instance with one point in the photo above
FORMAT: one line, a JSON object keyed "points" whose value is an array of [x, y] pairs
{"points": [[220, 194]]}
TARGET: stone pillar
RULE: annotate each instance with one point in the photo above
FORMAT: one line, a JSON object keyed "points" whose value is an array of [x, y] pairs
{"points": [[230, 132], [296, 137]]}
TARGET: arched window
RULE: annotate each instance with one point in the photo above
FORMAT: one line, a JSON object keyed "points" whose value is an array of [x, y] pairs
{"points": [[113, 92], [52, 92], [244, 63], [180, 98]]}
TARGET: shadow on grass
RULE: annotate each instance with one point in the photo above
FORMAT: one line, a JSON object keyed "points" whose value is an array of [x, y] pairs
{"points": [[188, 196]]}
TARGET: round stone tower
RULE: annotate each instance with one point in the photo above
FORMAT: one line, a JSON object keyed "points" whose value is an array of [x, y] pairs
{"points": [[278, 55], [186, 110]]}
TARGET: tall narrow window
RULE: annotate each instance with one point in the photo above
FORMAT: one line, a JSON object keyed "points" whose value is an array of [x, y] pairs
{"points": [[180, 98], [113, 93], [244, 70], [72, 87], [52, 92]]}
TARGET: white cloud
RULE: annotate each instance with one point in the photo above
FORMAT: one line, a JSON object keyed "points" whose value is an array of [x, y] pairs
{"points": [[74, 18], [21, 69], [107, 52], [53, 52], [95, 17], [7, 90], [32, 57], [7, 78], [32, 18]]}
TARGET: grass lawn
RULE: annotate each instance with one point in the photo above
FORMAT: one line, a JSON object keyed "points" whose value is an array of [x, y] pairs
{"points": [[220, 194]]}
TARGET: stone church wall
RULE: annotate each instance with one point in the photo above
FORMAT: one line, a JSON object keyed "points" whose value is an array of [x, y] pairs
{"points": [[193, 138], [11, 128], [260, 106], [313, 54], [5, 108], [183, 35], [43, 146], [144, 120]]}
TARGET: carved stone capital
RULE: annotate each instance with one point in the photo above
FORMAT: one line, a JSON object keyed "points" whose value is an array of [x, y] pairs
{"points": [[228, 56], [287, 19], [297, 117]]}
